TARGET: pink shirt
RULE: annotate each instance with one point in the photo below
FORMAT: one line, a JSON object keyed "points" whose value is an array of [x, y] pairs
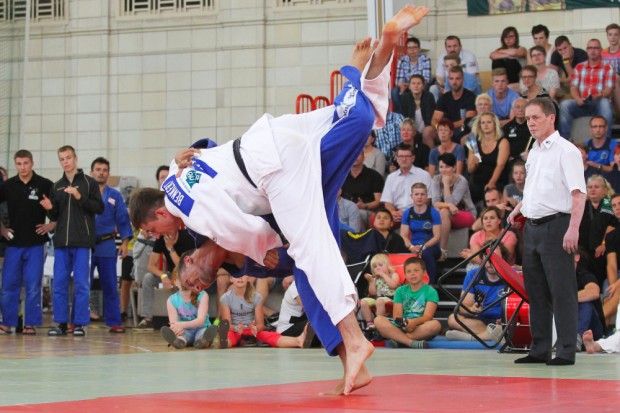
{"points": [[510, 241]]}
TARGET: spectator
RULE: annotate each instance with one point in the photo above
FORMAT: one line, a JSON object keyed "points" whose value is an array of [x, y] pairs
{"points": [[487, 171], [410, 137], [565, 58], [493, 198], [73, 203], [363, 186], [389, 136], [373, 157], [610, 344], [113, 219], [470, 81], [484, 103], [517, 132], [612, 257], [589, 298], [502, 96], [468, 62], [480, 296], [395, 194], [611, 55], [530, 87], [382, 281], [600, 148], [412, 63], [588, 170], [384, 223], [513, 193], [161, 174], [418, 104], [546, 76], [348, 213], [27, 237], [414, 307], [189, 318], [292, 319], [613, 176], [421, 229], [491, 230], [540, 34], [510, 56], [445, 130], [592, 83], [452, 198], [457, 105]]}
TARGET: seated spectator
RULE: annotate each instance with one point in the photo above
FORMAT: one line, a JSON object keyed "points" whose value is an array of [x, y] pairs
{"points": [[530, 88], [513, 193], [421, 229], [589, 298], [546, 76], [613, 176], [517, 132], [612, 257], [540, 34], [458, 104], [611, 55], [418, 104], [592, 84], [470, 81], [484, 104], [382, 282], [363, 186], [510, 56], [292, 320], [493, 198], [398, 184], [445, 130], [469, 64], [389, 136], [480, 296], [565, 58], [348, 214], [600, 148], [410, 137], [452, 198], [414, 307], [502, 96], [412, 63], [488, 156], [164, 258], [491, 230], [588, 170], [188, 317], [373, 157]]}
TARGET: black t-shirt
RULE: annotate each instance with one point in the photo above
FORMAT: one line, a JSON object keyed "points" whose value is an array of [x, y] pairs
{"points": [[579, 56], [612, 244], [594, 223], [184, 243], [518, 135], [421, 151], [452, 108], [364, 186], [25, 211]]}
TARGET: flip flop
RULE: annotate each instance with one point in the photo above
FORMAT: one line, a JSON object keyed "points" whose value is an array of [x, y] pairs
{"points": [[222, 330], [29, 331]]}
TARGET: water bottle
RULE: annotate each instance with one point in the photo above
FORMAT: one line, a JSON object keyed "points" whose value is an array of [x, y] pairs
{"points": [[472, 144]]}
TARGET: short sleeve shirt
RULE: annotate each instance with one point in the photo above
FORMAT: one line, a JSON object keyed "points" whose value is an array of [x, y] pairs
{"points": [[414, 302]]}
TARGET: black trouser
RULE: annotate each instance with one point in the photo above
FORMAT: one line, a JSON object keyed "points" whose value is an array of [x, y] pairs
{"points": [[551, 285]]}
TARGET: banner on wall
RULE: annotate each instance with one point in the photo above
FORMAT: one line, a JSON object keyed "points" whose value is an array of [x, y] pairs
{"points": [[484, 8]]}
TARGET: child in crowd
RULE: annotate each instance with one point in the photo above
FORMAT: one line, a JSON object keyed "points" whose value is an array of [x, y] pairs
{"points": [[414, 308], [513, 193], [381, 285], [189, 318], [242, 308]]}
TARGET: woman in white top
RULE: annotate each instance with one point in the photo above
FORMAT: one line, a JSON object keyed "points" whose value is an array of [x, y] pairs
{"points": [[546, 76]]}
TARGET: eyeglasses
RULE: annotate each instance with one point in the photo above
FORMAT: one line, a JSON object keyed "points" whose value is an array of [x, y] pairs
{"points": [[537, 54], [593, 48], [404, 156], [527, 77]]}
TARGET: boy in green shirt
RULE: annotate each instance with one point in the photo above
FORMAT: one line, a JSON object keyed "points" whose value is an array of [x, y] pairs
{"points": [[414, 308]]}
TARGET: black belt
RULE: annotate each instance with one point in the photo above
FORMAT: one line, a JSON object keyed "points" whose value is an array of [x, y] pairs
{"points": [[105, 238], [548, 218], [239, 160]]}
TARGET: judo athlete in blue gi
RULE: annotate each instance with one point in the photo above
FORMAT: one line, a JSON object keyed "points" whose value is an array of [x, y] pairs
{"points": [[291, 166], [113, 219]]}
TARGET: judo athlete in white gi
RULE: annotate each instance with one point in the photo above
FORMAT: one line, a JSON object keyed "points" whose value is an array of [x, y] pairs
{"points": [[292, 166]]}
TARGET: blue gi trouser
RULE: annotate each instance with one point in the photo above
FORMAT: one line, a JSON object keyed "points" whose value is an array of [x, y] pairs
{"points": [[106, 267], [22, 264], [76, 260]]}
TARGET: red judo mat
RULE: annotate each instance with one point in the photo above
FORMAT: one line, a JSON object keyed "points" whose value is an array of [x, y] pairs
{"points": [[398, 393]]}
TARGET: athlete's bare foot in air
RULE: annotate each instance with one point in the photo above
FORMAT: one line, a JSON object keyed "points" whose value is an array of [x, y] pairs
{"points": [[591, 345], [363, 379], [362, 53]]}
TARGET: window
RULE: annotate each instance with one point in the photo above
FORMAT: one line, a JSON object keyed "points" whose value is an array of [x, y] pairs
{"points": [[40, 11], [155, 7]]}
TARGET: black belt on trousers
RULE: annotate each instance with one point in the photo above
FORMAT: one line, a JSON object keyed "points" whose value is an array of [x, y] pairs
{"points": [[105, 237], [239, 160], [548, 218]]}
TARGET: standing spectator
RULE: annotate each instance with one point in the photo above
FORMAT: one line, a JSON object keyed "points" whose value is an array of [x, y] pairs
{"points": [[546, 76], [510, 56], [517, 132], [373, 157], [445, 130], [73, 203], [398, 184], [502, 96], [389, 136], [540, 34], [27, 237], [565, 58], [553, 204], [363, 187], [457, 105], [412, 63], [600, 148], [468, 62], [419, 105], [592, 83], [611, 55], [113, 219]]}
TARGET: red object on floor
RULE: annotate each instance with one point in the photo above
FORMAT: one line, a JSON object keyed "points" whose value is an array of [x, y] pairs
{"points": [[398, 393]]}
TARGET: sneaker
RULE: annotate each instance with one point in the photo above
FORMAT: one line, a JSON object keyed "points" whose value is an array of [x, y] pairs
{"points": [[392, 343], [171, 338], [456, 335], [419, 344], [222, 331], [207, 338], [78, 331], [145, 324], [116, 330], [57, 331], [494, 331]]}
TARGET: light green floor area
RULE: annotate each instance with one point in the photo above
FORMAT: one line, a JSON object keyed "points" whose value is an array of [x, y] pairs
{"points": [[84, 377]]}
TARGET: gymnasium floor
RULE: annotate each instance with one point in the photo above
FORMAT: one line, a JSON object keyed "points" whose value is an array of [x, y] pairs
{"points": [[136, 372]]}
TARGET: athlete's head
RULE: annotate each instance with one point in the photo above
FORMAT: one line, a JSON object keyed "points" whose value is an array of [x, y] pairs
{"points": [[148, 212]]}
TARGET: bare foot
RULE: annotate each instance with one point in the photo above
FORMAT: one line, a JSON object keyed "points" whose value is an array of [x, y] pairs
{"points": [[402, 21], [362, 52], [357, 354], [588, 341], [302, 337], [363, 379]]}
